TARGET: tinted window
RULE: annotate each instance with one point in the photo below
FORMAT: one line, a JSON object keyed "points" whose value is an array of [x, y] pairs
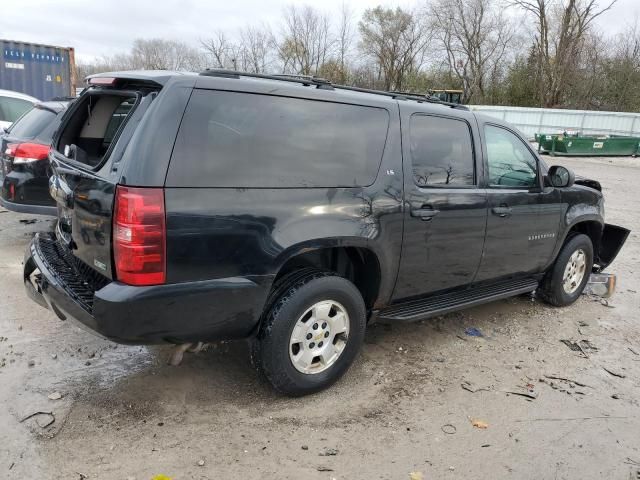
{"points": [[511, 164], [12, 108], [441, 151], [245, 140], [34, 124]]}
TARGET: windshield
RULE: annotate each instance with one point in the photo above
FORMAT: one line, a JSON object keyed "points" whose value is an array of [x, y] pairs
{"points": [[36, 123]]}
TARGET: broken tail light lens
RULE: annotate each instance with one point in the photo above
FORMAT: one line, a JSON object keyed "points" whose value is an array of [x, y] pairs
{"points": [[139, 235]]}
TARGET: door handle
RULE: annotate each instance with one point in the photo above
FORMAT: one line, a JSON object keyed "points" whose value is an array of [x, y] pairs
{"points": [[424, 213], [502, 211]]}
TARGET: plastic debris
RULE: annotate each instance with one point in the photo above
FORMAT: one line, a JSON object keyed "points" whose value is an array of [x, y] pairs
{"points": [[415, 476], [476, 422], [473, 332], [329, 452]]}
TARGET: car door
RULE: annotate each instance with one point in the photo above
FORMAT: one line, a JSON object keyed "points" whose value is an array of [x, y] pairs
{"points": [[523, 215], [445, 207]]}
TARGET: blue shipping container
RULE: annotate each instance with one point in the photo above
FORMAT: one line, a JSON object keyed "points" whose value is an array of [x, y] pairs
{"points": [[42, 71]]}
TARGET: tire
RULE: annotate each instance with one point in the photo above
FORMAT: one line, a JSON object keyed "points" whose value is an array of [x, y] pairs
{"points": [[274, 349], [553, 288]]}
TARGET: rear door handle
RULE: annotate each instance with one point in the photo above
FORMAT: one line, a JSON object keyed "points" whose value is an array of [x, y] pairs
{"points": [[502, 211], [424, 213]]}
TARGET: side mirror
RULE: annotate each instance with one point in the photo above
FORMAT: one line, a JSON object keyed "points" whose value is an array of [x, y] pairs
{"points": [[561, 177]]}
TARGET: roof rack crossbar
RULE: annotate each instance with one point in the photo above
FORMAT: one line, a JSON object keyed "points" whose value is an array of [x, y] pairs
{"points": [[323, 83]]}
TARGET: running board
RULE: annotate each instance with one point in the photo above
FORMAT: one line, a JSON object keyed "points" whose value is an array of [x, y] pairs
{"points": [[448, 302]]}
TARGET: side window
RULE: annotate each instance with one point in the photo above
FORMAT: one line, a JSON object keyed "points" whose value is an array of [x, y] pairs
{"points": [[229, 139], [441, 151], [511, 164], [12, 108]]}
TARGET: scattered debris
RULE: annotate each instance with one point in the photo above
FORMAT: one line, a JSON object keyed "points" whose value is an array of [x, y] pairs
{"points": [[485, 445], [54, 356], [324, 469], [28, 221], [201, 462], [473, 332], [606, 303], [329, 452], [470, 387], [415, 476], [479, 423], [633, 351], [305, 447], [568, 380], [601, 285], [43, 419], [54, 396], [31, 363], [580, 346], [614, 373], [615, 396], [82, 476], [523, 393], [449, 429]]}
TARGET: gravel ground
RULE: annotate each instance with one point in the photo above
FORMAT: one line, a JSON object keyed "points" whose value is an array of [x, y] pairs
{"points": [[402, 408]]}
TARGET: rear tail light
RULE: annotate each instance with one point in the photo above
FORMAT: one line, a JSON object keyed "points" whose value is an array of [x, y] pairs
{"points": [[139, 235], [27, 152]]}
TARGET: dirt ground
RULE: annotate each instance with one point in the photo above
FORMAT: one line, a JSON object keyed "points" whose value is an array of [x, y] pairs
{"points": [[401, 408]]}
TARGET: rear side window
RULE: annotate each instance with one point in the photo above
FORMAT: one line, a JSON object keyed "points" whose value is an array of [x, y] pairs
{"points": [[36, 123], [12, 108], [229, 139], [441, 151]]}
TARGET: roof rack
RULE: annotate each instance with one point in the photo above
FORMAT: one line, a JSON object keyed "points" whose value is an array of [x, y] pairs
{"points": [[323, 83], [306, 80]]}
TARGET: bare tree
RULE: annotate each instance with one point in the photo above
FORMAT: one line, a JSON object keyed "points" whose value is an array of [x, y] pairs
{"points": [[395, 40], [474, 36], [561, 30], [159, 54], [255, 51], [221, 50], [345, 38], [306, 42]]}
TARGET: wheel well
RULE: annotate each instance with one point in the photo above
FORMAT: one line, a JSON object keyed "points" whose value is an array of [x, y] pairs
{"points": [[591, 229], [359, 265]]}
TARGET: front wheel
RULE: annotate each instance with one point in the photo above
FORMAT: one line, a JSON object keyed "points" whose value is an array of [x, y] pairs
{"points": [[311, 334], [566, 279]]}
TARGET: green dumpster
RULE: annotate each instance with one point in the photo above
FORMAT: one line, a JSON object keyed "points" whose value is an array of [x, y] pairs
{"points": [[588, 146]]}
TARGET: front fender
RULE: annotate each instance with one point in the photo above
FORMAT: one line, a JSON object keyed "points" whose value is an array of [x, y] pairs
{"points": [[613, 238]]}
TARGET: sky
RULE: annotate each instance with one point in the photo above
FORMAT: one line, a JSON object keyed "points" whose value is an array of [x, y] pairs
{"points": [[105, 28]]}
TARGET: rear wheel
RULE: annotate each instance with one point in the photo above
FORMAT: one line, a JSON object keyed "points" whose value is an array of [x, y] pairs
{"points": [[566, 279], [311, 334]]}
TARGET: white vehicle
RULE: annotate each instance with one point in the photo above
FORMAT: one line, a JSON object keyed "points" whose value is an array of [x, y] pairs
{"points": [[12, 106]]}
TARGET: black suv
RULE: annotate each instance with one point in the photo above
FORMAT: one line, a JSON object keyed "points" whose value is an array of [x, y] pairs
{"points": [[24, 160], [291, 212]]}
